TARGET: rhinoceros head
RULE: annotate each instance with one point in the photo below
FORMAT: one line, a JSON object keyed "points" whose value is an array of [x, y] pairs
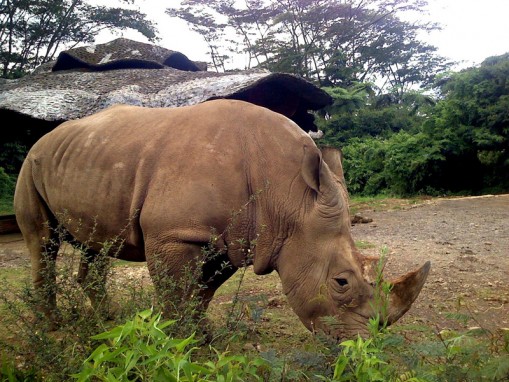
{"points": [[322, 273]]}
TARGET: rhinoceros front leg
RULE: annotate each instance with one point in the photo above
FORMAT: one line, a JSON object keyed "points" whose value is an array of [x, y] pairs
{"points": [[185, 276], [216, 269], [174, 269]]}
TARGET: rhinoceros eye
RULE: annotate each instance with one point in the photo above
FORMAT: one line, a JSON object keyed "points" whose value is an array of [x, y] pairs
{"points": [[342, 284]]}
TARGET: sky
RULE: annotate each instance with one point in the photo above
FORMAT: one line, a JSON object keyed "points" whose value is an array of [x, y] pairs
{"points": [[472, 30]]}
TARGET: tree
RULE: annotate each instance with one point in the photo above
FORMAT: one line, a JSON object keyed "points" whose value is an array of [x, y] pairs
{"points": [[458, 145], [32, 32], [335, 42], [357, 112], [204, 21], [473, 117]]}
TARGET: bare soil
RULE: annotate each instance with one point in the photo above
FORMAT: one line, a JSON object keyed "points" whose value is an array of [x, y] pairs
{"points": [[466, 240]]}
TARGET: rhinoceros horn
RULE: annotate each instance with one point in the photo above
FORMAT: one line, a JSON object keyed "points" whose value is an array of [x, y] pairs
{"points": [[404, 292]]}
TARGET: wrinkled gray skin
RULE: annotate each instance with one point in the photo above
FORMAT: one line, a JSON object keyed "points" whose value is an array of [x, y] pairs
{"points": [[165, 179]]}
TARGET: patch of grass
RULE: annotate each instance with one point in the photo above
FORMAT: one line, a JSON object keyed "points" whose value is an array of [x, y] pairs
{"points": [[258, 313], [361, 244], [493, 294], [6, 206], [116, 263], [382, 203], [15, 277]]}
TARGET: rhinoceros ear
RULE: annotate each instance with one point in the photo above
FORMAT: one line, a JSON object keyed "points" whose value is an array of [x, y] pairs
{"points": [[312, 167]]}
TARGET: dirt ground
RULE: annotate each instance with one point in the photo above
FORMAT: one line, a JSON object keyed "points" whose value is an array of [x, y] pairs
{"points": [[466, 240]]}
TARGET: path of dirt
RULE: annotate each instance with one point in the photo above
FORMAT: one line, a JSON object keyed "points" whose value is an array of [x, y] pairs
{"points": [[466, 240]]}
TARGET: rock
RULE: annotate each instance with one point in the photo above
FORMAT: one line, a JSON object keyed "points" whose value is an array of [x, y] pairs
{"points": [[358, 218], [249, 347]]}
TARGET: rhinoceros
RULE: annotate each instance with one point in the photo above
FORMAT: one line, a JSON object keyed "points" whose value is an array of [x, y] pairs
{"points": [[178, 175]]}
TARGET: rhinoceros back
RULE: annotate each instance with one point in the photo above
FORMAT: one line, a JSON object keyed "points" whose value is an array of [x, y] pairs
{"points": [[189, 166]]}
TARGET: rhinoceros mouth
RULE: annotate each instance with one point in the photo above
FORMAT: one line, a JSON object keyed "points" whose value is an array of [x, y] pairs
{"points": [[341, 327]]}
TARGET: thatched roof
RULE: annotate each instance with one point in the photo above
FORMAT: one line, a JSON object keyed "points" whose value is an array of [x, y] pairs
{"points": [[85, 80], [121, 53]]}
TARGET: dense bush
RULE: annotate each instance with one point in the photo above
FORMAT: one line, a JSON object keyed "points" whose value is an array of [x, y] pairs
{"points": [[11, 158], [412, 145], [402, 164]]}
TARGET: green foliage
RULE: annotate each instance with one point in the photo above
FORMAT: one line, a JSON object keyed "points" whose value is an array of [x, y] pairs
{"points": [[357, 112], [473, 355], [34, 31], [143, 346], [10, 373], [12, 155], [421, 157], [359, 361], [402, 164], [472, 118], [140, 349], [409, 144], [7, 186], [332, 42]]}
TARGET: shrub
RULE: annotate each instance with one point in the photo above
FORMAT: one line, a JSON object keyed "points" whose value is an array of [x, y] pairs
{"points": [[141, 350]]}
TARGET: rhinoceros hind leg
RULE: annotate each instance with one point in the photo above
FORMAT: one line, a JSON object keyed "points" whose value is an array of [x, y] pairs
{"points": [[92, 272], [38, 226], [43, 257]]}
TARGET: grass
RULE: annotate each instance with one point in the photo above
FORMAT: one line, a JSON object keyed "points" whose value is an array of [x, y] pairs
{"points": [[262, 324], [14, 276], [382, 203], [258, 310], [361, 244]]}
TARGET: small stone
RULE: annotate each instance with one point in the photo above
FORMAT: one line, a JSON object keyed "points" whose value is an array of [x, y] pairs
{"points": [[249, 347]]}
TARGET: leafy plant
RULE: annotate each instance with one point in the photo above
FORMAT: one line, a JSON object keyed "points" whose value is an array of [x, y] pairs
{"points": [[141, 350]]}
